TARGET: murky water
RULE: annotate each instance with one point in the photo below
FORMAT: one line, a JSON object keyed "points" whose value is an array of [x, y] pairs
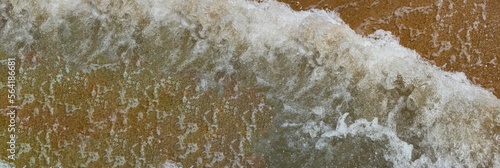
{"points": [[454, 35], [230, 83]]}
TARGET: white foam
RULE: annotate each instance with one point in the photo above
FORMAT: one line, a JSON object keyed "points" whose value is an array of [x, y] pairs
{"points": [[4, 164], [311, 61], [171, 164]]}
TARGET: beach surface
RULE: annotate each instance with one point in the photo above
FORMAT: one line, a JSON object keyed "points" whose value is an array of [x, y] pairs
{"points": [[458, 36], [214, 83]]}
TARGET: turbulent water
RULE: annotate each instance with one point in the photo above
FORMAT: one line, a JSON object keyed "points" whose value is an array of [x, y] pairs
{"points": [[340, 99]]}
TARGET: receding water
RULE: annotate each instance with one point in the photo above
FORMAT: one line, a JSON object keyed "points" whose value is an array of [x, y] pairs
{"points": [[231, 83]]}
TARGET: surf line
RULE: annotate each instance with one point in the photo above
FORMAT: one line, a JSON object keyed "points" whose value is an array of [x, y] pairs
{"points": [[11, 108]]}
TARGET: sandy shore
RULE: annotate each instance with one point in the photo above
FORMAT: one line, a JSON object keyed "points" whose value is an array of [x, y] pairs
{"points": [[456, 36], [119, 110]]}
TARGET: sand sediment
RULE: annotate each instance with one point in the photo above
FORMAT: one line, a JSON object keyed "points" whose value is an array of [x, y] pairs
{"points": [[456, 36], [124, 112]]}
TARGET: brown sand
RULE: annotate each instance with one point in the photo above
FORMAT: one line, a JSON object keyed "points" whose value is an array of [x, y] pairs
{"points": [[87, 124], [96, 120], [456, 36]]}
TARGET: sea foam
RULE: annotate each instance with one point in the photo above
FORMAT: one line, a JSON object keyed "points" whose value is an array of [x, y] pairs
{"points": [[343, 99]]}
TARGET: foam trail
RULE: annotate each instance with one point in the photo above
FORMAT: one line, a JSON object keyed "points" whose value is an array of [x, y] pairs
{"points": [[343, 99]]}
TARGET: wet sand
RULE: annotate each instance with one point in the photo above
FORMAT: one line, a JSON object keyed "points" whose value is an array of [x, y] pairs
{"points": [[98, 119], [101, 119], [456, 36]]}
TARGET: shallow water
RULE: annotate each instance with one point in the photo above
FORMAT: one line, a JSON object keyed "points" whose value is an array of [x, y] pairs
{"points": [[453, 35], [231, 83]]}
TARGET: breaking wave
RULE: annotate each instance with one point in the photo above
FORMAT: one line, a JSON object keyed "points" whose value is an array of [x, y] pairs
{"points": [[341, 98]]}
